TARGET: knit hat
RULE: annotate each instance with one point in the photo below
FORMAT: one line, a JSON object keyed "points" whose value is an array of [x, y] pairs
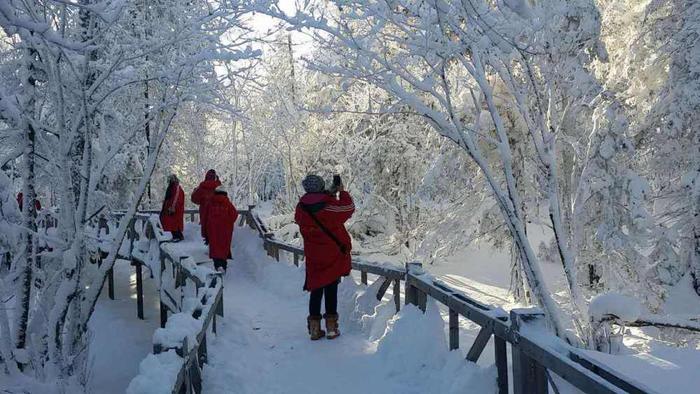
{"points": [[313, 184], [211, 175], [173, 178]]}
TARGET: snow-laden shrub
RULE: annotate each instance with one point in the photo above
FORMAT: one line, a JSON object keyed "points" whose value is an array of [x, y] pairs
{"points": [[624, 308]]}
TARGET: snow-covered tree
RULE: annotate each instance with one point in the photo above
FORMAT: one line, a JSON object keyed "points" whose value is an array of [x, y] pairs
{"points": [[71, 103]]}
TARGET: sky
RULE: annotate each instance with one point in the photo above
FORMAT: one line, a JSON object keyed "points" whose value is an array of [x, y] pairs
{"points": [[263, 24]]}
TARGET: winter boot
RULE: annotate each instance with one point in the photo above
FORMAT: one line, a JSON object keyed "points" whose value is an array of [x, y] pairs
{"points": [[314, 325], [332, 326]]}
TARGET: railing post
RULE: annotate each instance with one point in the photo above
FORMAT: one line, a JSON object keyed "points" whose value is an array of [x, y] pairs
{"points": [[296, 259], [131, 235], [249, 216], [163, 314], [454, 330], [139, 288], [110, 283], [529, 377], [413, 295], [220, 307], [163, 307], [501, 356], [363, 277], [202, 351], [397, 295]]}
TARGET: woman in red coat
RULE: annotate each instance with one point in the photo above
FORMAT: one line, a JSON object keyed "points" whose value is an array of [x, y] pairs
{"points": [[221, 217], [321, 218], [201, 196], [20, 202], [172, 213]]}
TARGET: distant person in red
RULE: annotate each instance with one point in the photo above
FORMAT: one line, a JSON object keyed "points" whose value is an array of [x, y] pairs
{"points": [[20, 202], [172, 213], [321, 216], [221, 216], [201, 196]]}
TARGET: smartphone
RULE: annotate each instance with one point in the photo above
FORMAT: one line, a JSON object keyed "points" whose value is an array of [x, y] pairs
{"points": [[336, 181]]}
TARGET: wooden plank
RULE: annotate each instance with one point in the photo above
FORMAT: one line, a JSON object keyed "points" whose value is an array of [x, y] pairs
{"points": [[501, 356], [529, 376], [220, 305], [383, 288], [379, 270], [202, 351], [195, 378], [607, 373], [479, 344], [421, 300], [454, 330], [570, 371], [409, 292]]}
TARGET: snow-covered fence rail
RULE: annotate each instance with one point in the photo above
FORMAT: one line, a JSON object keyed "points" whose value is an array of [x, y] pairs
{"points": [[190, 295], [536, 354], [191, 213]]}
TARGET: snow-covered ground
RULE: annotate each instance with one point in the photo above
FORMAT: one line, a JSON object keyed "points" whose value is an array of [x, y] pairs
{"points": [[262, 345], [119, 339]]}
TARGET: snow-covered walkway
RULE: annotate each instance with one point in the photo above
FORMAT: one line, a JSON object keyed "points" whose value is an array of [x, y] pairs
{"points": [[262, 345]]}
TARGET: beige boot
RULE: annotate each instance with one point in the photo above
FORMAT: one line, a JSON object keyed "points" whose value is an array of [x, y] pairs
{"points": [[332, 326], [314, 325]]}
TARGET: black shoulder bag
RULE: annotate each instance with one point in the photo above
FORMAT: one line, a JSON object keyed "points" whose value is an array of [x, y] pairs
{"points": [[341, 246]]}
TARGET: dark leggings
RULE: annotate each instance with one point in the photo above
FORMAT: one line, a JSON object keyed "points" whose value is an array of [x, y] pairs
{"points": [[220, 263], [331, 293]]}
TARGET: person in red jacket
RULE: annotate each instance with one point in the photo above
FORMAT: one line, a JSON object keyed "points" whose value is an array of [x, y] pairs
{"points": [[20, 202], [221, 216], [321, 217], [172, 213], [201, 196]]}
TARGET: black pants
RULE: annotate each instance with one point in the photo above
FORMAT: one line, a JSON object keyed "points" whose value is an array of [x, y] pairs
{"points": [[331, 293], [220, 263]]}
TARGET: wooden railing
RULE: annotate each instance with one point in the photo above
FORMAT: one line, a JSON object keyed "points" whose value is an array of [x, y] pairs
{"points": [[180, 278], [535, 354]]}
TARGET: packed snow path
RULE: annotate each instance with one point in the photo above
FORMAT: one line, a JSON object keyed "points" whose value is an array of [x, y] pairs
{"points": [[262, 345], [263, 348]]}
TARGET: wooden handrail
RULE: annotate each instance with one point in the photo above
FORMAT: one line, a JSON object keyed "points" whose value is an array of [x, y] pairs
{"points": [[533, 359], [209, 306]]}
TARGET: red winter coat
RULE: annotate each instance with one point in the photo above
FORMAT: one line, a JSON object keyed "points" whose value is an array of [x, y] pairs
{"points": [[201, 196], [221, 216], [20, 202], [325, 263], [175, 201]]}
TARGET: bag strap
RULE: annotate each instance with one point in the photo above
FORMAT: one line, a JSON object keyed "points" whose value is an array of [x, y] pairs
{"points": [[341, 246]]}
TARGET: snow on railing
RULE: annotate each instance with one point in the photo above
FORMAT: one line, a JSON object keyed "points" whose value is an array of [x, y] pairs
{"points": [[191, 293], [536, 353]]}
